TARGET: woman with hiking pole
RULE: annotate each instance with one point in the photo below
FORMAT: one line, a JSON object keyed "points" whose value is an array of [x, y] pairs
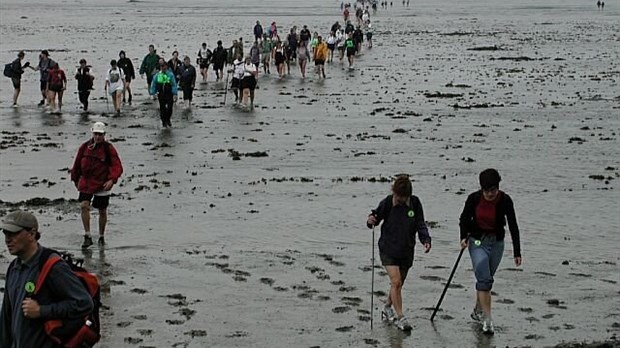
{"points": [[403, 217], [482, 232]]}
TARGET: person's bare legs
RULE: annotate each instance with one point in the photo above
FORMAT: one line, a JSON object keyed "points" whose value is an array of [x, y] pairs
{"points": [[60, 93], [103, 220], [16, 95], [85, 207], [483, 302], [396, 284]]}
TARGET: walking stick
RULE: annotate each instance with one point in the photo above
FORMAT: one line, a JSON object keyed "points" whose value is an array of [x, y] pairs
{"points": [[372, 282], [107, 102], [226, 86], [447, 284]]}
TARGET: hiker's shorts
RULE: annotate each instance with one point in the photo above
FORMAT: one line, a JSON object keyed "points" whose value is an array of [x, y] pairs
{"points": [[403, 264], [98, 202], [485, 255]]}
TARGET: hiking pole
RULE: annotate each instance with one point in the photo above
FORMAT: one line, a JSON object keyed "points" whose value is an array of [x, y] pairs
{"points": [[226, 86], [107, 102], [372, 282], [447, 284]]}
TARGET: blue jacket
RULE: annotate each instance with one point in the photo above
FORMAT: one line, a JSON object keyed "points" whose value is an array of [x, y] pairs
{"points": [[158, 87]]}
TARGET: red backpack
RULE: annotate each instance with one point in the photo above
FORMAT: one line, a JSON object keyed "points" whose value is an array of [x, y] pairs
{"points": [[56, 77], [72, 333]]}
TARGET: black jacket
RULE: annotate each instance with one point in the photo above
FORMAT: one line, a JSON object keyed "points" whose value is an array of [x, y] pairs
{"points": [[503, 211], [400, 224]]}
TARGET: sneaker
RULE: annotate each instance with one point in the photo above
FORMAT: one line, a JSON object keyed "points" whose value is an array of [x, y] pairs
{"points": [[388, 314], [487, 326], [403, 324], [476, 315], [15, 106], [101, 241], [88, 241], [41, 103]]}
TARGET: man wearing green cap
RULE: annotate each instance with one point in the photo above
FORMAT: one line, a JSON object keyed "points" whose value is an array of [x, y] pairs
{"points": [[61, 296]]}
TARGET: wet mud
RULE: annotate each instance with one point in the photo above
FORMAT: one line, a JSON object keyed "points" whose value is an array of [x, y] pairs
{"points": [[247, 229]]}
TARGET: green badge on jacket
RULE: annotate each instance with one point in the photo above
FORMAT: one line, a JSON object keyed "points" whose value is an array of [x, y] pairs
{"points": [[477, 242], [30, 287], [410, 213]]}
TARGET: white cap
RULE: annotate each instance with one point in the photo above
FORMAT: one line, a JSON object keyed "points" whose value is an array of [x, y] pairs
{"points": [[98, 127]]}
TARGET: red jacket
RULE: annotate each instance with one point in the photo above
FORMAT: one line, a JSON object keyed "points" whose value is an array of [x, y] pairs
{"points": [[93, 166]]}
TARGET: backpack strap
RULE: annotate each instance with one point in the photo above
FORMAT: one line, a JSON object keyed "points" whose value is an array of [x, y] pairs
{"points": [[45, 267]]}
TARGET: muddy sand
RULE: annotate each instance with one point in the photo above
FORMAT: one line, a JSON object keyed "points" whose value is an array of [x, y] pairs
{"points": [[239, 229]]}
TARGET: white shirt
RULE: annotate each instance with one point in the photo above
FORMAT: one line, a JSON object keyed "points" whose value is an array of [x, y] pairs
{"points": [[118, 85], [238, 69], [249, 70]]}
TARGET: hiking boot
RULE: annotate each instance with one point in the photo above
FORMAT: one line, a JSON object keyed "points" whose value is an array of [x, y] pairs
{"points": [[487, 326], [101, 241], [388, 314], [476, 314], [41, 103], [403, 324], [88, 241]]}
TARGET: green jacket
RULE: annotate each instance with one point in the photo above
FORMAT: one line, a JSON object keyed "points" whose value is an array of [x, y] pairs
{"points": [[149, 64]]}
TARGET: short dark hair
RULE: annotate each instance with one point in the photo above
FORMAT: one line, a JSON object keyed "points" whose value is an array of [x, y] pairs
{"points": [[113, 62], [402, 186], [489, 178], [82, 61], [21, 54]]}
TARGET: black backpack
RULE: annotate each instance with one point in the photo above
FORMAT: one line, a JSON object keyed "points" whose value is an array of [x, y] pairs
{"points": [[8, 70]]}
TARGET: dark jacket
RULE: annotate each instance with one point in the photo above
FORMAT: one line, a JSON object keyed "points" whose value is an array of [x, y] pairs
{"points": [[258, 30], [400, 224], [93, 166], [127, 66], [504, 210], [188, 76], [219, 56], [84, 79], [62, 296], [17, 68]]}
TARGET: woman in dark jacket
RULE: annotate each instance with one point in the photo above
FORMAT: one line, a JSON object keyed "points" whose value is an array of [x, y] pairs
{"points": [[482, 232], [403, 217], [129, 71]]}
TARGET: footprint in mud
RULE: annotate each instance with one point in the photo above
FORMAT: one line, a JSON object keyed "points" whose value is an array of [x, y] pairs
{"points": [[267, 281], [383, 273], [196, 333], [534, 337], [341, 309], [344, 328], [513, 269], [363, 318], [431, 278], [505, 301], [139, 317], [239, 278], [380, 293], [581, 275], [351, 301], [174, 322], [280, 288], [363, 311], [446, 317], [532, 319], [371, 341], [116, 282], [145, 332], [138, 291], [347, 288], [526, 310], [569, 326], [548, 316], [436, 267], [337, 282], [124, 324], [187, 313], [455, 286], [365, 268], [238, 334], [545, 274], [133, 340], [323, 298]]}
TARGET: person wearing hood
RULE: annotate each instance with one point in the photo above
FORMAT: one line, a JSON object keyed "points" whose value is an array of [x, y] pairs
{"points": [[130, 74]]}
